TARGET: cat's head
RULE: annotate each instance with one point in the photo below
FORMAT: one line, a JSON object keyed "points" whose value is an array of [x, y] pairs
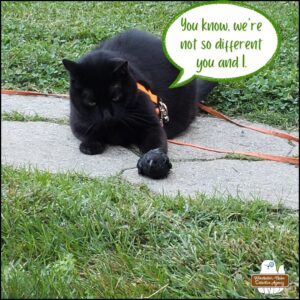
{"points": [[100, 82]]}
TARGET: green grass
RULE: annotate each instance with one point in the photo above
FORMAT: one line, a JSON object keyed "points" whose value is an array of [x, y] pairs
{"points": [[68, 236], [17, 116], [241, 157], [36, 36], [271, 96]]}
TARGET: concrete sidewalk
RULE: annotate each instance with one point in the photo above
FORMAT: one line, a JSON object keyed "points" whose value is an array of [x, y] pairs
{"points": [[50, 146]]}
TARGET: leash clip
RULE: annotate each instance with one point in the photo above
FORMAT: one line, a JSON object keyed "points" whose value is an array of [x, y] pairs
{"points": [[163, 109]]}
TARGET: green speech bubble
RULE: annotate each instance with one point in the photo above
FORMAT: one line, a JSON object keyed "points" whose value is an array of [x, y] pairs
{"points": [[220, 41]]}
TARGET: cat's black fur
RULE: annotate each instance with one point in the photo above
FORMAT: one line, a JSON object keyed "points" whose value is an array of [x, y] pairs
{"points": [[107, 108]]}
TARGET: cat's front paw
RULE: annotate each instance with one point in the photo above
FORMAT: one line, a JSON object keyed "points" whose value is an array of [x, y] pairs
{"points": [[154, 164], [91, 148]]}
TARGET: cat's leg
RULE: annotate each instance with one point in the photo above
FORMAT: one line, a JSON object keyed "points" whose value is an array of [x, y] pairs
{"points": [[154, 163], [91, 143], [92, 147]]}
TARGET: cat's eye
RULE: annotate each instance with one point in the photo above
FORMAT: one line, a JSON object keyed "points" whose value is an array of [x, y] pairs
{"points": [[116, 92], [116, 98], [88, 98], [75, 84], [90, 103]]}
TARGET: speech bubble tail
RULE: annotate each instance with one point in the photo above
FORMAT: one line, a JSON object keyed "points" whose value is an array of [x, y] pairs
{"points": [[182, 79]]}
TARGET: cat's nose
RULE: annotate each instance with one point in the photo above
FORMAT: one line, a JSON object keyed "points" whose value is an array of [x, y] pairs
{"points": [[106, 113]]}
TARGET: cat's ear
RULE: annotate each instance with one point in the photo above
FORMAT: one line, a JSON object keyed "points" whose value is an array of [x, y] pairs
{"points": [[71, 66], [120, 68]]}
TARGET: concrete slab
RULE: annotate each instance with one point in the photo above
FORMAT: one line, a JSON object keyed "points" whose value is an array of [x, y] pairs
{"points": [[270, 181], [205, 130], [52, 147], [48, 107]]}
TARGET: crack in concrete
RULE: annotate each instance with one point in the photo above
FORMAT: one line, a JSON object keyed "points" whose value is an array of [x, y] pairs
{"points": [[194, 159], [124, 170], [10, 116], [291, 150], [121, 172]]}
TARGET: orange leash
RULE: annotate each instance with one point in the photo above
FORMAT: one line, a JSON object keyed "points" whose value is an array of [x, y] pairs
{"points": [[265, 156], [31, 93], [285, 159], [153, 97], [217, 114]]}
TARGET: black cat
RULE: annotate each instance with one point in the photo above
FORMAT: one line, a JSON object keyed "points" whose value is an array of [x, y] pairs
{"points": [[108, 108]]}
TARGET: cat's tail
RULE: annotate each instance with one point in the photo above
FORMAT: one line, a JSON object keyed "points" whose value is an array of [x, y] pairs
{"points": [[203, 89]]}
